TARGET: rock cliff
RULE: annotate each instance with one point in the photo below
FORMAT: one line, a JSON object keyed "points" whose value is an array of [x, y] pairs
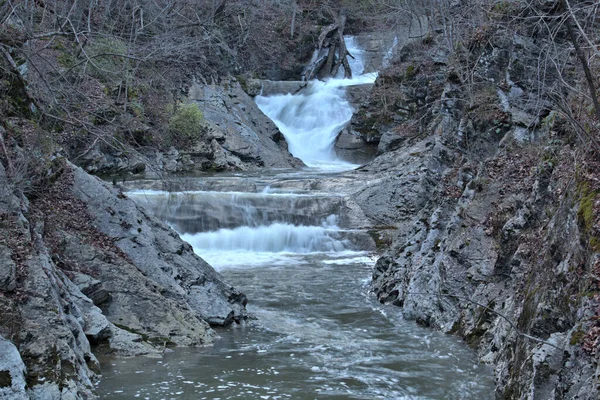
{"points": [[491, 201], [235, 136]]}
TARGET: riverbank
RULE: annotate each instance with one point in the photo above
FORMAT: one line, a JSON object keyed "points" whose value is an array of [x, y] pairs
{"points": [[493, 205]]}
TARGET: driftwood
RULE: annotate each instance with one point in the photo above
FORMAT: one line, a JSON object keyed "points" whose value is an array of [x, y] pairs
{"points": [[332, 38]]}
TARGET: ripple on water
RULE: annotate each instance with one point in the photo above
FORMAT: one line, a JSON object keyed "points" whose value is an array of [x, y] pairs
{"points": [[319, 335]]}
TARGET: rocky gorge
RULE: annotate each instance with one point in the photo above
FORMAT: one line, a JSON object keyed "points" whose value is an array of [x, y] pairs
{"points": [[477, 192]]}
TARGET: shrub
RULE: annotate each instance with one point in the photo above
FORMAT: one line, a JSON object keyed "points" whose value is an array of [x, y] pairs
{"points": [[109, 65], [186, 122]]}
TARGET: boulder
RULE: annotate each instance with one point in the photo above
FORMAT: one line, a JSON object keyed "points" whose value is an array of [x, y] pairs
{"points": [[153, 255], [245, 136]]}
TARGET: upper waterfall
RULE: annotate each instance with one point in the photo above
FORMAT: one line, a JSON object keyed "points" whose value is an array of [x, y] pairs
{"points": [[311, 119]]}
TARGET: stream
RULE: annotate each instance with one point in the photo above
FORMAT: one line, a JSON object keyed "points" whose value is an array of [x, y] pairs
{"points": [[284, 239]]}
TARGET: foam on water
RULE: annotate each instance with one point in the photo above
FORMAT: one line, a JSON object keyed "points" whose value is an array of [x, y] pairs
{"points": [[266, 192], [266, 244], [320, 332], [316, 336]]}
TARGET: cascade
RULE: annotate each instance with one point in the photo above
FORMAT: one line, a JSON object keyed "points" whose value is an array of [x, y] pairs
{"points": [[311, 119], [318, 333]]}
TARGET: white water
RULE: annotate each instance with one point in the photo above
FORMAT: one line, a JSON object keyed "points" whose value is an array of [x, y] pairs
{"points": [[264, 244], [268, 238], [312, 119], [320, 333]]}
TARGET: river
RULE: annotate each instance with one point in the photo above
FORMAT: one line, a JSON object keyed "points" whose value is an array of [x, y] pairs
{"points": [[284, 239]]}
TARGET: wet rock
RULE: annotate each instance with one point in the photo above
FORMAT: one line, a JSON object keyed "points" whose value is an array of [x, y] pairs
{"points": [[485, 246], [67, 271], [216, 310], [353, 148]]}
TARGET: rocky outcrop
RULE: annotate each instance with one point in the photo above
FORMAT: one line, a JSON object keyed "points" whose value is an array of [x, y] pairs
{"points": [[86, 270], [12, 372], [381, 108], [156, 251], [236, 135], [490, 240]]}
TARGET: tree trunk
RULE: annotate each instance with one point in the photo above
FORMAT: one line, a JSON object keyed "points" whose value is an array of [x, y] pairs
{"points": [[295, 6], [332, 37], [583, 60]]}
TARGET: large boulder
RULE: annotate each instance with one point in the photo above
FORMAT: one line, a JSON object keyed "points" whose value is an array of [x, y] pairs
{"points": [[241, 136], [152, 254]]}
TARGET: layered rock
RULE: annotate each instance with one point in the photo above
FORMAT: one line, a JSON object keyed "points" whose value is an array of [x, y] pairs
{"points": [[241, 134]]}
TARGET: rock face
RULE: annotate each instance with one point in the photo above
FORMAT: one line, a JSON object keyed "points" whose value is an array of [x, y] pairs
{"points": [[358, 142], [240, 135], [12, 372], [489, 239], [84, 266]]}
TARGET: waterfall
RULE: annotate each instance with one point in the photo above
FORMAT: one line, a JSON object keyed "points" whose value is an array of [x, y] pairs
{"points": [[311, 119], [197, 211], [273, 238], [242, 228]]}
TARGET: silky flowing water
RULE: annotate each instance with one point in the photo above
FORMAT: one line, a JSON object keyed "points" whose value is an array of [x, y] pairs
{"points": [[317, 332]]}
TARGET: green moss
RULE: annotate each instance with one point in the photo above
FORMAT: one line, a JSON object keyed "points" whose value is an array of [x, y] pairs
{"points": [[586, 216], [501, 7], [549, 158], [132, 92], [411, 71], [586, 210], [549, 121], [136, 108], [108, 65], [595, 244], [66, 60], [577, 337]]}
